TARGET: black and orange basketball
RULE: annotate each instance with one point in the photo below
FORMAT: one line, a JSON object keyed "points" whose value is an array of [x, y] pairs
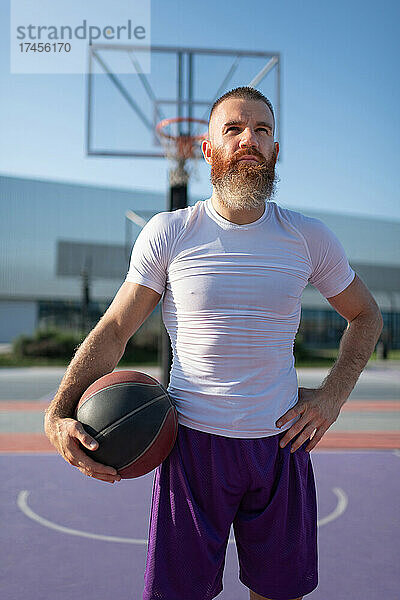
{"points": [[133, 419]]}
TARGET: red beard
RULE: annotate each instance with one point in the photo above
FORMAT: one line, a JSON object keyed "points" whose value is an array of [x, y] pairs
{"points": [[262, 175]]}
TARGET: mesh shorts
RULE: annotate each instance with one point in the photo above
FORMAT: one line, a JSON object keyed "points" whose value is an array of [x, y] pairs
{"points": [[210, 482]]}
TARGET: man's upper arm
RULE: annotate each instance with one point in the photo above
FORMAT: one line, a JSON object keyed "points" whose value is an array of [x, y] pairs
{"points": [[356, 299], [131, 306]]}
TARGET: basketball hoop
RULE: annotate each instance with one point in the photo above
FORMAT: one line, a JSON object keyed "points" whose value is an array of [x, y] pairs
{"points": [[180, 147]]}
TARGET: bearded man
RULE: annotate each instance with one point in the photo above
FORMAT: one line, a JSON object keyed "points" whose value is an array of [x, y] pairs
{"points": [[230, 271]]}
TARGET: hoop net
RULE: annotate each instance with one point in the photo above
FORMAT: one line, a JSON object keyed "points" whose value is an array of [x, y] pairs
{"points": [[181, 143]]}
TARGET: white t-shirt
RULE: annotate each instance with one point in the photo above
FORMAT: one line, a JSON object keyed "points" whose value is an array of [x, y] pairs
{"points": [[231, 306]]}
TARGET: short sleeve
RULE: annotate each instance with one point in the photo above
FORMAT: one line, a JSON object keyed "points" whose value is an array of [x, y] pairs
{"points": [[148, 264], [331, 272]]}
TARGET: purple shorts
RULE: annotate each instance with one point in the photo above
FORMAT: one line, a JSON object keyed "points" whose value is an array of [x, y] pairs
{"points": [[210, 482]]}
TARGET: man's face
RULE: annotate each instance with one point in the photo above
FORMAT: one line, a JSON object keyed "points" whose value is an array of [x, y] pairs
{"points": [[242, 152]]}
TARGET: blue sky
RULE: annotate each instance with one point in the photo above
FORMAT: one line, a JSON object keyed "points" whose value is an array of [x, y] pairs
{"points": [[340, 102]]}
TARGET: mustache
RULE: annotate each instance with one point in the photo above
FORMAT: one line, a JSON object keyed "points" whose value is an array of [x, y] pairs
{"points": [[253, 152]]}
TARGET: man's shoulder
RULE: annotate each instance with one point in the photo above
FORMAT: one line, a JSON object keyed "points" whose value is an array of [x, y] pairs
{"points": [[304, 223], [166, 224], [174, 218]]}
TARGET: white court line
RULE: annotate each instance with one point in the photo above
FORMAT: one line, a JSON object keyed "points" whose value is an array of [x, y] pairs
{"points": [[340, 507], [22, 502]]}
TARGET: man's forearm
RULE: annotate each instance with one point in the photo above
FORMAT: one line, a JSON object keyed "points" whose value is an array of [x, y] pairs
{"points": [[98, 354], [356, 346]]}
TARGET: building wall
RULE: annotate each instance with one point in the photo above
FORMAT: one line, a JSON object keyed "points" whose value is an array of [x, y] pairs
{"points": [[16, 318], [36, 215]]}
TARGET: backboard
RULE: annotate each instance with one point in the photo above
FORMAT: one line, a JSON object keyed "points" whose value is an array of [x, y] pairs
{"points": [[123, 108]]}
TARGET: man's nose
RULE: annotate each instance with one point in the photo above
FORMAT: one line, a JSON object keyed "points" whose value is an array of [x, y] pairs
{"points": [[248, 139]]}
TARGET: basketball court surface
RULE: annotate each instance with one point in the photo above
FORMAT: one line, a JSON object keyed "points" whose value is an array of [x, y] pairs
{"points": [[65, 535]]}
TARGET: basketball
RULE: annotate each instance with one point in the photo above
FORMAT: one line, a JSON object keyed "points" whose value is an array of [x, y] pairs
{"points": [[133, 419]]}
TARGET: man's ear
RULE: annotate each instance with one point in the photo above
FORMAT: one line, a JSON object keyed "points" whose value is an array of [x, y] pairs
{"points": [[206, 148], [277, 149]]}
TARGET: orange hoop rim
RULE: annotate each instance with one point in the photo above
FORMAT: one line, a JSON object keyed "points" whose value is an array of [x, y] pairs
{"points": [[188, 138]]}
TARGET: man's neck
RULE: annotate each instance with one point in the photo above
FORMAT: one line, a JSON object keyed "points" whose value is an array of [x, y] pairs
{"points": [[239, 217]]}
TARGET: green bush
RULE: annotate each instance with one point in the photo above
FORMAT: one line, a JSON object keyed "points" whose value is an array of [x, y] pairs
{"points": [[55, 343], [141, 350], [299, 350], [48, 343]]}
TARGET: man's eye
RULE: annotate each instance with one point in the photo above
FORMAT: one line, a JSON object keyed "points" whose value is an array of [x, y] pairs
{"points": [[263, 129], [232, 128]]}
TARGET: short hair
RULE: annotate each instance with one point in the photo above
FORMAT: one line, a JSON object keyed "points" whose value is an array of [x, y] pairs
{"points": [[245, 92]]}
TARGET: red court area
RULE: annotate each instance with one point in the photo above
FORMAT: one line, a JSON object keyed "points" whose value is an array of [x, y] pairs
{"points": [[37, 442]]}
